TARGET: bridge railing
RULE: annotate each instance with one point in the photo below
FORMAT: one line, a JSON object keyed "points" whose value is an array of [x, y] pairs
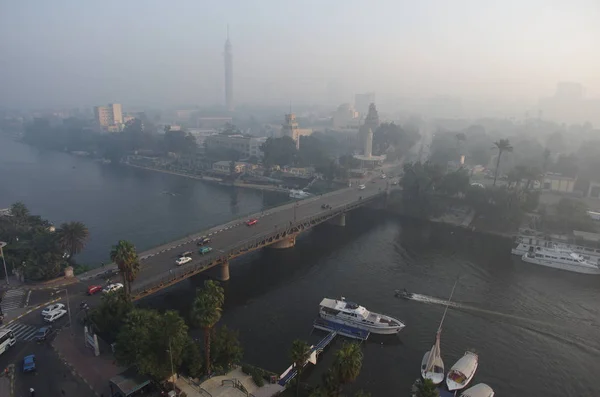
{"points": [[170, 276]]}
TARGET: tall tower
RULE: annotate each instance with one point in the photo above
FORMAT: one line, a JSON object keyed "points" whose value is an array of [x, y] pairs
{"points": [[228, 74]]}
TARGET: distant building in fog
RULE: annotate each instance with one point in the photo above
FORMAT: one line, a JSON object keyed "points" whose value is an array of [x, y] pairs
{"points": [[290, 128], [346, 118], [109, 117], [244, 144], [569, 105], [371, 124], [362, 102]]}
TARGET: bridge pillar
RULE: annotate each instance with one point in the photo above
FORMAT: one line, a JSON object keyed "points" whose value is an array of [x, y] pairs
{"points": [[339, 220], [287, 242], [223, 272]]}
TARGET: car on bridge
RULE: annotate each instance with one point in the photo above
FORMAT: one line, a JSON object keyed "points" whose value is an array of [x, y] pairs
{"points": [[183, 260], [204, 250], [203, 241], [251, 222]]}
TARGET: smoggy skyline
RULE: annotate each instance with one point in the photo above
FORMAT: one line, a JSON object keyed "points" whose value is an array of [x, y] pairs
{"points": [[73, 53]]}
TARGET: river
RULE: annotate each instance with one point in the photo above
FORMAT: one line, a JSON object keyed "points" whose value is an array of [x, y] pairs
{"points": [[536, 329]]}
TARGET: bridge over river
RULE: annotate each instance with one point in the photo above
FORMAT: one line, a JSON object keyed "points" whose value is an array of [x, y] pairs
{"points": [[277, 228]]}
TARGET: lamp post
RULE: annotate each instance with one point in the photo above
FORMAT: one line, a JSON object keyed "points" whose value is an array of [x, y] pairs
{"points": [[2, 245], [68, 307], [171, 357], [295, 205]]}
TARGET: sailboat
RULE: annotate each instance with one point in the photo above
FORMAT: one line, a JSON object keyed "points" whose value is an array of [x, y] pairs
{"points": [[432, 366]]}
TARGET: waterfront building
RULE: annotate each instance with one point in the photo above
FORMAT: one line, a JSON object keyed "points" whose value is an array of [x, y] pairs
{"points": [[225, 167], [109, 117], [290, 128], [246, 145]]}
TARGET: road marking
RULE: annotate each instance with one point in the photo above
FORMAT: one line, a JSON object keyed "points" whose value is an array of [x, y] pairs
{"points": [[22, 331], [13, 299]]}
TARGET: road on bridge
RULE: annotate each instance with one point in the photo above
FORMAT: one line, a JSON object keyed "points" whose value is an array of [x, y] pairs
{"points": [[157, 263]]}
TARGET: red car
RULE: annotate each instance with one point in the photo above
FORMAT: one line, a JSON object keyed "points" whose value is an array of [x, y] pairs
{"points": [[251, 222], [92, 289]]}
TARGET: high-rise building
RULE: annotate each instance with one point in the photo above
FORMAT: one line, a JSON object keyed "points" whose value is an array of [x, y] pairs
{"points": [[228, 74], [362, 102], [109, 116]]}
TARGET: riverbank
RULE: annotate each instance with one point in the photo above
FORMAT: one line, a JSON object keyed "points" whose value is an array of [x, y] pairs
{"points": [[210, 179]]}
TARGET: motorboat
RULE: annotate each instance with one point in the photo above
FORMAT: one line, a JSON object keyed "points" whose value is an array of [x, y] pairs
{"points": [[403, 294], [563, 259], [462, 372], [479, 390], [356, 316], [432, 365]]}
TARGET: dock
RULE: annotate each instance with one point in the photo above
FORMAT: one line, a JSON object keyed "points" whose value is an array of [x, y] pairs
{"points": [[333, 330]]}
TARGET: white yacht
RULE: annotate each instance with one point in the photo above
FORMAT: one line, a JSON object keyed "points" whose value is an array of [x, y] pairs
{"points": [[561, 259], [479, 390], [353, 315], [299, 194], [462, 372], [525, 243]]}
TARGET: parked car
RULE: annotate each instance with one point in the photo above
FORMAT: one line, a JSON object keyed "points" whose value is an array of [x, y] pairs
{"points": [[251, 222], [52, 308], [183, 260], [204, 250], [203, 241], [94, 289], [52, 317], [42, 333], [112, 288], [29, 363]]}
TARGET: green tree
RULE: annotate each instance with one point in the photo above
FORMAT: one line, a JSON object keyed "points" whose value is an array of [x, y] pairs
{"points": [[427, 388], [206, 313], [503, 146], [347, 363], [20, 212], [299, 354], [126, 258], [192, 359], [109, 316], [72, 237], [279, 151], [152, 341], [226, 348]]}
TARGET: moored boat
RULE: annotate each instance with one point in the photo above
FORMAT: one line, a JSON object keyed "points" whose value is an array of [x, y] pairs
{"points": [[562, 259], [462, 372], [356, 316], [479, 390]]}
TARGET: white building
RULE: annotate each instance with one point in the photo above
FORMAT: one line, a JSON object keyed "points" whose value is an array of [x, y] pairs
{"points": [[346, 118], [246, 145]]}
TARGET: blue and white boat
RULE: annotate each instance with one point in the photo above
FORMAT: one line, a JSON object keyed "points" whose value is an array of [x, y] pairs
{"points": [[356, 316]]}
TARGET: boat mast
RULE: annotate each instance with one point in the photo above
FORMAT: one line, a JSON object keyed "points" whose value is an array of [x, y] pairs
{"points": [[446, 309]]}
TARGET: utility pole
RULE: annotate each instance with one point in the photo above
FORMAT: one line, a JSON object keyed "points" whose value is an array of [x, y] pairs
{"points": [[172, 370]]}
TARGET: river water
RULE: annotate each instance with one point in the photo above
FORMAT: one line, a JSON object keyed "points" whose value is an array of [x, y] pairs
{"points": [[537, 330]]}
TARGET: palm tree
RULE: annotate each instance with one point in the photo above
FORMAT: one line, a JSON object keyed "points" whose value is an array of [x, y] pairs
{"points": [[299, 354], [72, 237], [427, 389], [206, 312], [347, 363], [20, 212], [503, 145], [126, 258]]}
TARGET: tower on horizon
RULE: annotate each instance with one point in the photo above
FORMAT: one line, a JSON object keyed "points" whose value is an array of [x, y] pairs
{"points": [[228, 74]]}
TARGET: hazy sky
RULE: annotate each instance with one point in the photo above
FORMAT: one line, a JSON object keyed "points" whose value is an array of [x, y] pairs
{"points": [[78, 53]]}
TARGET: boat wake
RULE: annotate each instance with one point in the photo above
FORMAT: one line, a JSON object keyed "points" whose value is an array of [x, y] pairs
{"points": [[461, 306]]}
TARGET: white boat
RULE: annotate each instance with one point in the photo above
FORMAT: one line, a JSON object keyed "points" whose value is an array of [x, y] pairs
{"points": [[299, 194], [353, 315], [462, 372], [561, 259], [432, 365], [479, 390], [531, 243]]}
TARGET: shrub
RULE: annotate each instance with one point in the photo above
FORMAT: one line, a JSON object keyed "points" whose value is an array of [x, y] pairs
{"points": [[257, 377], [247, 369]]}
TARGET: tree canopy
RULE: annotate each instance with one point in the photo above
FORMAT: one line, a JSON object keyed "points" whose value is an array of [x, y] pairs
{"points": [[279, 151]]}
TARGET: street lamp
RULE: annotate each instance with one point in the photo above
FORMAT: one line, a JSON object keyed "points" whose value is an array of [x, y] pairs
{"points": [[172, 370], [295, 205], [2, 245], [68, 307]]}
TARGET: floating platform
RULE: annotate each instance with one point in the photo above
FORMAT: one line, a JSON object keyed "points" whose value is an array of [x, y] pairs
{"points": [[344, 330]]}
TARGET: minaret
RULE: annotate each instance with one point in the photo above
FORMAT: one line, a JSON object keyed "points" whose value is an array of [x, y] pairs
{"points": [[228, 74], [368, 152]]}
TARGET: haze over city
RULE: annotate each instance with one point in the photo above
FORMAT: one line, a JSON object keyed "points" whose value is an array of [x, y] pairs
{"points": [[154, 53]]}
